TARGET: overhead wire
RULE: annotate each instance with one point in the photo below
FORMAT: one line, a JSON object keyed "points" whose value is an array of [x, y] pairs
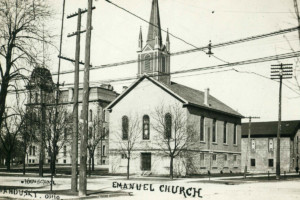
{"points": [[245, 62], [218, 45], [239, 63], [186, 51], [166, 31]]}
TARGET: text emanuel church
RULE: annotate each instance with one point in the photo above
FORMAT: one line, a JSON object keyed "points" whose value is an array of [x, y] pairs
{"points": [[157, 125]]}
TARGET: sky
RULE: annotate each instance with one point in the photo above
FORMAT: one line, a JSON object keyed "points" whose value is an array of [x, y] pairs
{"points": [[247, 89]]}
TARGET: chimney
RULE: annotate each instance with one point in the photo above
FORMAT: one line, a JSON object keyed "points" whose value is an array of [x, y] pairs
{"points": [[70, 94], [206, 96], [124, 88]]}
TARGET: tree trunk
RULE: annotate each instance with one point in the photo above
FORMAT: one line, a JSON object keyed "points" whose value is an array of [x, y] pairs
{"points": [[93, 162], [171, 167], [8, 157], [4, 89], [54, 162], [90, 158], [128, 163], [24, 159]]}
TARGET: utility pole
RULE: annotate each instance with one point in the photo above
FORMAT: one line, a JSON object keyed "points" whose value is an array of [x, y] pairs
{"points": [[280, 71], [85, 104], [298, 16], [42, 128], [248, 144], [43, 113], [74, 179], [54, 146]]}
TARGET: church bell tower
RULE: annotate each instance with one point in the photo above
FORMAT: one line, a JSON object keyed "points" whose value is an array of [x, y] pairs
{"points": [[154, 57]]}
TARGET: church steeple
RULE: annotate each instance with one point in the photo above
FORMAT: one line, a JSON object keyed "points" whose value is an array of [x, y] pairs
{"points": [[154, 57], [154, 31]]}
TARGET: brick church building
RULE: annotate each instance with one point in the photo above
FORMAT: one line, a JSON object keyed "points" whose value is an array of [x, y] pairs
{"points": [[147, 119]]}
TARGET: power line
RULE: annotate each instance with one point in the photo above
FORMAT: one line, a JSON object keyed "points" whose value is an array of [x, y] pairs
{"points": [[247, 39], [160, 28], [245, 62], [252, 61]]}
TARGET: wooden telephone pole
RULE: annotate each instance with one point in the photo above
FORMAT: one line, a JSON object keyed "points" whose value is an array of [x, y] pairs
{"points": [[85, 104], [280, 71], [248, 144], [74, 179]]}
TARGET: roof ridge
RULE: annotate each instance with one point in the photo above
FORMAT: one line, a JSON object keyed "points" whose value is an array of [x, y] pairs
{"points": [[272, 121]]}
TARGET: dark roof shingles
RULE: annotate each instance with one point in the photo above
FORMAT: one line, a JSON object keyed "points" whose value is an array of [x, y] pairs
{"points": [[197, 97], [264, 129]]}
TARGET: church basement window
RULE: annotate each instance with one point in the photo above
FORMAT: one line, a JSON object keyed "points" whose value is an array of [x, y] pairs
{"points": [[271, 163], [252, 162]]}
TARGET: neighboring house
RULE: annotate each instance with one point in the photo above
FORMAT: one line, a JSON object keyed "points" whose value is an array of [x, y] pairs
{"points": [[261, 152], [99, 98], [216, 128]]}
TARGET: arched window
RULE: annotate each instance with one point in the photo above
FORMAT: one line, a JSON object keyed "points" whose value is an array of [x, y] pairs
{"points": [[147, 63], [146, 127], [163, 64], [91, 115], [125, 128], [168, 126]]}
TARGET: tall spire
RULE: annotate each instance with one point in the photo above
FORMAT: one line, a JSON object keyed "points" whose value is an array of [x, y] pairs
{"points": [[154, 26], [140, 46]]}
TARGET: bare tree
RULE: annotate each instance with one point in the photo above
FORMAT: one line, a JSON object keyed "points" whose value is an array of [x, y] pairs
{"points": [[174, 135], [56, 140], [127, 139], [28, 137], [21, 36], [9, 132], [96, 134]]}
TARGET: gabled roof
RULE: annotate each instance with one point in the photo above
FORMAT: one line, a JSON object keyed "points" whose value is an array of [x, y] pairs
{"points": [[186, 95], [269, 129]]}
